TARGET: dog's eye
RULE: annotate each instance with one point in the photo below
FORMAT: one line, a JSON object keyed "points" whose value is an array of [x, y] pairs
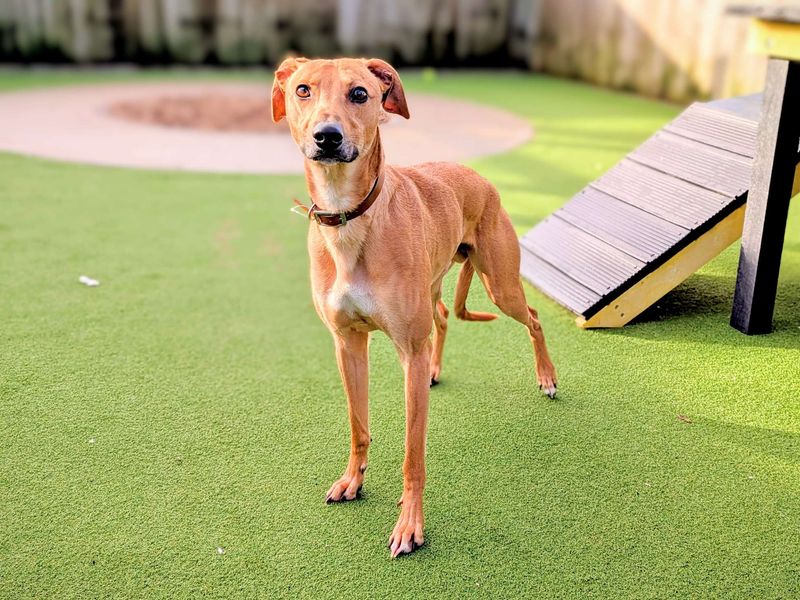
{"points": [[359, 95], [303, 91]]}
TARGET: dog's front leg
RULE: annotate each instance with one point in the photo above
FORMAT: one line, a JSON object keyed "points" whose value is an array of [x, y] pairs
{"points": [[408, 533], [352, 356]]}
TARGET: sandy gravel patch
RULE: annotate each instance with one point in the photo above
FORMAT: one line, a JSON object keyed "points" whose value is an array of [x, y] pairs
{"points": [[173, 126]]}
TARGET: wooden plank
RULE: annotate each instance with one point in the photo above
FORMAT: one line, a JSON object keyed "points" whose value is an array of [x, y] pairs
{"points": [[483, 30], [654, 218], [768, 203], [229, 38], [714, 169], [555, 283], [796, 186], [673, 200], [150, 26], [26, 27], [313, 27], [678, 49], [748, 107], [524, 22], [645, 292], [8, 26], [775, 39], [634, 231], [675, 188], [591, 262], [186, 24], [717, 128], [787, 12]]}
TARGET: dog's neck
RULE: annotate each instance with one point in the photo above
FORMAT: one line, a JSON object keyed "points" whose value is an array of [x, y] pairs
{"points": [[341, 187]]}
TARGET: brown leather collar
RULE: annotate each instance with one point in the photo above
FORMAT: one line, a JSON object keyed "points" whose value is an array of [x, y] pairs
{"points": [[337, 219]]}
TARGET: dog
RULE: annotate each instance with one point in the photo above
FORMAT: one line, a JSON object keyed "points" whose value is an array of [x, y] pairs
{"points": [[380, 241]]}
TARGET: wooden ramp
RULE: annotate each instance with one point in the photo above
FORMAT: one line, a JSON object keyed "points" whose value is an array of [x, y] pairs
{"points": [[657, 216]]}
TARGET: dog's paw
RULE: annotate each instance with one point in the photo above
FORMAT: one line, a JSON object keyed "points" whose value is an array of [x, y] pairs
{"points": [[407, 535], [547, 381], [436, 373], [549, 391], [346, 488]]}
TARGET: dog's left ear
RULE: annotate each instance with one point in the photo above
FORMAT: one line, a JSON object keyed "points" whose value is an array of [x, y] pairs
{"points": [[394, 99], [282, 73]]}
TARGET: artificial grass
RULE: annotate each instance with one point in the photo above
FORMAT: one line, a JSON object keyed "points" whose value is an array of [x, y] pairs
{"points": [[191, 401]]}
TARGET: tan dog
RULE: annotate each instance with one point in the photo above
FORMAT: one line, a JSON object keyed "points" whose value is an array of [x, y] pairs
{"points": [[381, 240]]}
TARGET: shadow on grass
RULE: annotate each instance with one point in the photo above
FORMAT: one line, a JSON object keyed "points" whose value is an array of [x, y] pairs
{"points": [[698, 311], [774, 443], [697, 296]]}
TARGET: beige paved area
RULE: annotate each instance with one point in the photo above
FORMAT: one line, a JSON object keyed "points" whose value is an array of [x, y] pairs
{"points": [[74, 124]]}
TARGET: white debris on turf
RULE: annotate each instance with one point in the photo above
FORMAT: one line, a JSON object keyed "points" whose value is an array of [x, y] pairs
{"points": [[86, 280]]}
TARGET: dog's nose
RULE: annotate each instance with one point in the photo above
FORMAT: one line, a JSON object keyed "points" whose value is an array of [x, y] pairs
{"points": [[328, 136]]}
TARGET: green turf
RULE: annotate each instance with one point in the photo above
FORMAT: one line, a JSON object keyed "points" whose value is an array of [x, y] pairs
{"points": [[191, 401]]}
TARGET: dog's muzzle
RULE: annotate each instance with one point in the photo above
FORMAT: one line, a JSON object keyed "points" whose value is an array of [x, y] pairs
{"points": [[337, 156], [330, 145]]}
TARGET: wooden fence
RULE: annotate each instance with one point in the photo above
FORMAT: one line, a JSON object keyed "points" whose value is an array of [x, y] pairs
{"points": [[677, 49], [262, 31]]}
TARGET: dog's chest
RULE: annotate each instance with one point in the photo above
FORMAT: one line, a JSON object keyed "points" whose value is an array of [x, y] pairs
{"points": [[351, 299]]}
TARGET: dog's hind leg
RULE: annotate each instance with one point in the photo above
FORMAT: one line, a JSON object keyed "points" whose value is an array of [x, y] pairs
{"points": [[440, 314], [460, 301], [352, 356], [496, 258]]}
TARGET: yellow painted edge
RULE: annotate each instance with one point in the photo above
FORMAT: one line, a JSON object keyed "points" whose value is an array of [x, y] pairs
{"points": [[655, 285], [796, 186], [780, 40]]}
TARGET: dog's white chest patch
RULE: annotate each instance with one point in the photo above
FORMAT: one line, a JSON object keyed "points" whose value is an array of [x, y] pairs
{"points": [[353, 299]]}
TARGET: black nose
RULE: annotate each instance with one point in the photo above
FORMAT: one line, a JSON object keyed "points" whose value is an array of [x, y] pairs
{"points": [[328, 136]]}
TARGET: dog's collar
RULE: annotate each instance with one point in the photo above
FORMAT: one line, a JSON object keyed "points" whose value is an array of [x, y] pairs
{"points": [[337, 219]]}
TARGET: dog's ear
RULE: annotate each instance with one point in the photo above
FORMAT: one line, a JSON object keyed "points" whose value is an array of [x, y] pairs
{"points": [[394, 99], [282, 73]]}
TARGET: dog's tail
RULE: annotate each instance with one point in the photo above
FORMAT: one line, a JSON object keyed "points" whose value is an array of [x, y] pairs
{"points": [[460, 302]]}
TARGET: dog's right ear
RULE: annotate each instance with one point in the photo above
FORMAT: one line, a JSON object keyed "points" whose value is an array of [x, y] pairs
{"points": [[394, 98], [282, 73]]}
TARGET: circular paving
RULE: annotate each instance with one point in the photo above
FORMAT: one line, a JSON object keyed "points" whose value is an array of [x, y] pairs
{"points": [[86, 124]]}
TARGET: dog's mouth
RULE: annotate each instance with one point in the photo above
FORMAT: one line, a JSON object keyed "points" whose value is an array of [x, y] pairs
{"points": [[334, 157], [329, 157]]}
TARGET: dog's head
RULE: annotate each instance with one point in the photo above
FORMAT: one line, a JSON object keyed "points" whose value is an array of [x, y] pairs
{"points": [[334, 107]]}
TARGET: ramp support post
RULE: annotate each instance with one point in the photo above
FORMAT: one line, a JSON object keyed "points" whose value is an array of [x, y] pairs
{"points": [[768, 199]]}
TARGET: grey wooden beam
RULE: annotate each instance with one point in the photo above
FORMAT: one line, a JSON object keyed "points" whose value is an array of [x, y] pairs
{"points": [[768, 200], [783, 13]]}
